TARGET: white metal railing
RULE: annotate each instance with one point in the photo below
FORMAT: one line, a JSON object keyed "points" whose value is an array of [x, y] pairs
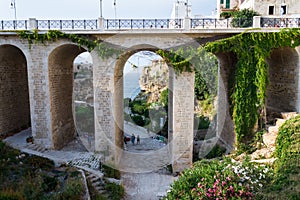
{"points": [[127, 24]]}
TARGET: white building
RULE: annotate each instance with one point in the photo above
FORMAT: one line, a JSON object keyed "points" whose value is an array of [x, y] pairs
{"points": [[263, 7], [181, 10]]}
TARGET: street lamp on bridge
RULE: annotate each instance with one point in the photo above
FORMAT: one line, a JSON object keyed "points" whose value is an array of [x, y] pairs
{"points": [[101, 16], [13, 6]]}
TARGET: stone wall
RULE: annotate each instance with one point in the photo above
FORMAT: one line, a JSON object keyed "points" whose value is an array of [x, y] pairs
{"points": [[262, 7], [283, 89], [183, 121], [61, 93], [14, 94], [225, 127]]}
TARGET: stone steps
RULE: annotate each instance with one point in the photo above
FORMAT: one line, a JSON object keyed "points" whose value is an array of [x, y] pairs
{"points": [[269, 138], [98, 183], [36, 147], [288, 115]]}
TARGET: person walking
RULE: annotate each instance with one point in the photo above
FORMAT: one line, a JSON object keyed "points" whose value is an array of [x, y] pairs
{"points": [[138, 140], [132, 139]]}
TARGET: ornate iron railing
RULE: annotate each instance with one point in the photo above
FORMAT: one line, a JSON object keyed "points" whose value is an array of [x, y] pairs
{"points": [[13, 25], [143, 23], [280, 22], [211, 23], [67, 24], [123, 24]]}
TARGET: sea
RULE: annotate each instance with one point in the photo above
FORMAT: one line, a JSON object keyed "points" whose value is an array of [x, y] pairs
{"points": [[131, 84]]}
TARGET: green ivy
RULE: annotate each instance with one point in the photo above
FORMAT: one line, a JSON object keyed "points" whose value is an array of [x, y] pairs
{"points": [[247, 97], [35, 36]]}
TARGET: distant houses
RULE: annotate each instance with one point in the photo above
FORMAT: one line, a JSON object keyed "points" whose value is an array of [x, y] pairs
{"points": [[288, 8]]}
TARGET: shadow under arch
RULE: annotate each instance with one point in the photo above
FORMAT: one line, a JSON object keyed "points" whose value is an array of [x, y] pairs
{"points": [[61, 80], [283, 90], [14, 98]]}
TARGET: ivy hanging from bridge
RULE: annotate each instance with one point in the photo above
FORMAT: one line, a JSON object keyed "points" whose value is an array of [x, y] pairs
{"points": [[249, 85], [248, 94], [103, 49]]}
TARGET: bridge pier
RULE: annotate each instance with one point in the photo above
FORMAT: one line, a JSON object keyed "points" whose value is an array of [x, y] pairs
{"points": [[182, 107]]}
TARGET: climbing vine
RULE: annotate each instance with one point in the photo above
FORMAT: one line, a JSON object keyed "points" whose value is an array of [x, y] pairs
{"points": [[251, 74], [104, 50]]}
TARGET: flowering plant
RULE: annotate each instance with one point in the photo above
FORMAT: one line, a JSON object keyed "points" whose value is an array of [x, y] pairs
{"points": [[220, 179]]}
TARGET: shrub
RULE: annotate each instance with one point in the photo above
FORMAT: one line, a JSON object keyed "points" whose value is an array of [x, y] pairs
{"points": [[217, 151], [138, 120], [111, 172], [116, 191], [243, 18], [286, 184], [212, 179]]}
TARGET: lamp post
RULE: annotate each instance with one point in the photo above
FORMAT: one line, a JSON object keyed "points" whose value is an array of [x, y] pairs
{"points": [[13, 6], [115, 7], [101, 16], [187, 8]]}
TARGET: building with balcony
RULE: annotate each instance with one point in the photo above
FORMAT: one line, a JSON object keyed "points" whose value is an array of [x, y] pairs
{"points": [[264, 7]]}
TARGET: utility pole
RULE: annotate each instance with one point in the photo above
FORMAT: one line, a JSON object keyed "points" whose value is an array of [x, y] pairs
{"points": [[115, 6], [187, 8], [101, 16], [13, 6]]}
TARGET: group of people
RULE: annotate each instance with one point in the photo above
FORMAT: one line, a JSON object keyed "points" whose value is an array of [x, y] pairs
{"points": [[132, 139]]}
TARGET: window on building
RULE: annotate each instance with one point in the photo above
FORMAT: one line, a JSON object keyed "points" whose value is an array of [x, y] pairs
{"points": [[227, 4], [221, 1], [283, 10], [271, 10]]}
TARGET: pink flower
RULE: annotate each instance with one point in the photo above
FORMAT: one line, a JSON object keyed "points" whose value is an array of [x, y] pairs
{"points": [[199, 185], [223, 183], [228, 178]]}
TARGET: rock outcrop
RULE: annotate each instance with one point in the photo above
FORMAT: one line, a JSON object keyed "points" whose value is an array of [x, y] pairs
{"points": [[154, 79]]}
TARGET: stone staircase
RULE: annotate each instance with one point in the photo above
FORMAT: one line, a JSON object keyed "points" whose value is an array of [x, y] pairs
{"points": [[36, 147], [97, 182], [269, 138]]}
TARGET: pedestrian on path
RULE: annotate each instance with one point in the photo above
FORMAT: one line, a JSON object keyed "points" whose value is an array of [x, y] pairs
{"points": [[138, 140], [132, 139]]}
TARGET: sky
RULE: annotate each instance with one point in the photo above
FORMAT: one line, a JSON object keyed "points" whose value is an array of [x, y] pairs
{"points": [[90, 9]]}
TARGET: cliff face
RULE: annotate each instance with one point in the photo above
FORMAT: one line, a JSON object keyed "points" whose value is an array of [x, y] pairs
{"points": [[154, 79], [83, 83]]}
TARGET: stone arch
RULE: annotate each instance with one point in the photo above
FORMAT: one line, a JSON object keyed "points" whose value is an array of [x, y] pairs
{"points": [[178, 152], [61, 78], [283, 88], [119, 90], [14, 98]]}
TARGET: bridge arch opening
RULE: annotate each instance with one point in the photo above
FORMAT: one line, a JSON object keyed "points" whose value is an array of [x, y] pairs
{"points": [[83, 92], [143, 159], [146, 78], [283, 89], [61, 83], [14, 94]]}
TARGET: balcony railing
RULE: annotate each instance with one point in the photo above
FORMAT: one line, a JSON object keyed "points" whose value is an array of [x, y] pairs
{"points": [[143, 23], [133, 24], [14, 25], [280, 22], [67, 24]]}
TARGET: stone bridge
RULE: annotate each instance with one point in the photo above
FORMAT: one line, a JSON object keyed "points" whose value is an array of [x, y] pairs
{"points": [[36, 88]]}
